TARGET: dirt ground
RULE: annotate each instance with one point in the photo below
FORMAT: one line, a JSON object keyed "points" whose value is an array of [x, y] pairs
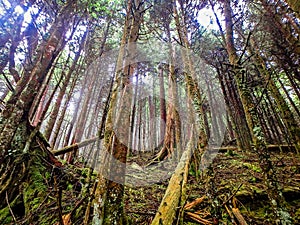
{"points": [[232, 187]]}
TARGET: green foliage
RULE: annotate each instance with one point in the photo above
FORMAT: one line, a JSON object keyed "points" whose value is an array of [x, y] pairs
{"points": [[252, 167], [69, 187], [63, 161], [47, 175], [257, 131], [105, 8], [230, 152], [85, 172], [252, 180]]}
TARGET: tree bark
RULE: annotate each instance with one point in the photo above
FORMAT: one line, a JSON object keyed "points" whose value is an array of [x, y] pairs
{"points": [[162, 97], [18, 106], [287, 116], [295, 6], [108, 204], [54, 112], [173, 199], [23, 150], [259, 143]]}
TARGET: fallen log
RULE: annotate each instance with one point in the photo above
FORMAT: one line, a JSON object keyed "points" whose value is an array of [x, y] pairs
{"points": [[273, 148], [75, 146], [172, 201]]}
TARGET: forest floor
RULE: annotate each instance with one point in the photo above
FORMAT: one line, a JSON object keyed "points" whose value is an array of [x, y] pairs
{"points": [[235, 183], [232, 188]]}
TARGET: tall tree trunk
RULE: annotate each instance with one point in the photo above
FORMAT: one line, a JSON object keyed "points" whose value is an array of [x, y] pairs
{"points": [[162, 97], [40, 108], [192, 86], [22, 149], [285, 112], [54, 112], [82, 120], [63, 111], [109, 204], [152, 125], [42, 91], [259, 145], [172, 134]]}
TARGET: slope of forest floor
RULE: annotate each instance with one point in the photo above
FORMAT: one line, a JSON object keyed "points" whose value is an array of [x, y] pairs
{"points": [[231, 188], [234, 181]]}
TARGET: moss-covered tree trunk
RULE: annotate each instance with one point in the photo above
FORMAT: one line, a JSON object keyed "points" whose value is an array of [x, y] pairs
{"points": [[286, 114], [192, 87], [275, 196], [108, 204], [23, 152], [175, 196]]}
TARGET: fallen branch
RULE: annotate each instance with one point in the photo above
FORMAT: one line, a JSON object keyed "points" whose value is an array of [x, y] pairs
{"points": [[197, 218], [10, 210], [225, 149], [229, 212], [233, 194], [194, 203], [75, 146], [279, 147], [236, 212], [141, 213]]}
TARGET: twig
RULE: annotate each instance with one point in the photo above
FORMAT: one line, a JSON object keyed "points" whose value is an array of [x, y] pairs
{"points": [[236, 212], [245, 47], [58, 201], [10, 210], [194, 203], [197, 218], [229, 212], [9, 85], [233, 194]]}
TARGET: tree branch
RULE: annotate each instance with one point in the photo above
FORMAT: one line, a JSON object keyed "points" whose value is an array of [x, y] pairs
{"points": [[75, 146]]}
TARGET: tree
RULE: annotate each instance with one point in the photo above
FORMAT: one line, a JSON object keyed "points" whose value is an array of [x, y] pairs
{"points": [[57, 78], [109, 194], [67, 78], [295, 6], [20, 165], [259, 143]]}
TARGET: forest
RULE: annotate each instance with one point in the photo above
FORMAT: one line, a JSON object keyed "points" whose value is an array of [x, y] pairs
{"points": [[154, 112]]}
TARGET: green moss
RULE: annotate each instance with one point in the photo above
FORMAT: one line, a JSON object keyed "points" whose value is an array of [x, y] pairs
{"points": [[252, 167], [252, 180], [39, 184], [296, 217], [69, 187], [35, 189], [230, 152], [85, 171], [5, 216]]}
